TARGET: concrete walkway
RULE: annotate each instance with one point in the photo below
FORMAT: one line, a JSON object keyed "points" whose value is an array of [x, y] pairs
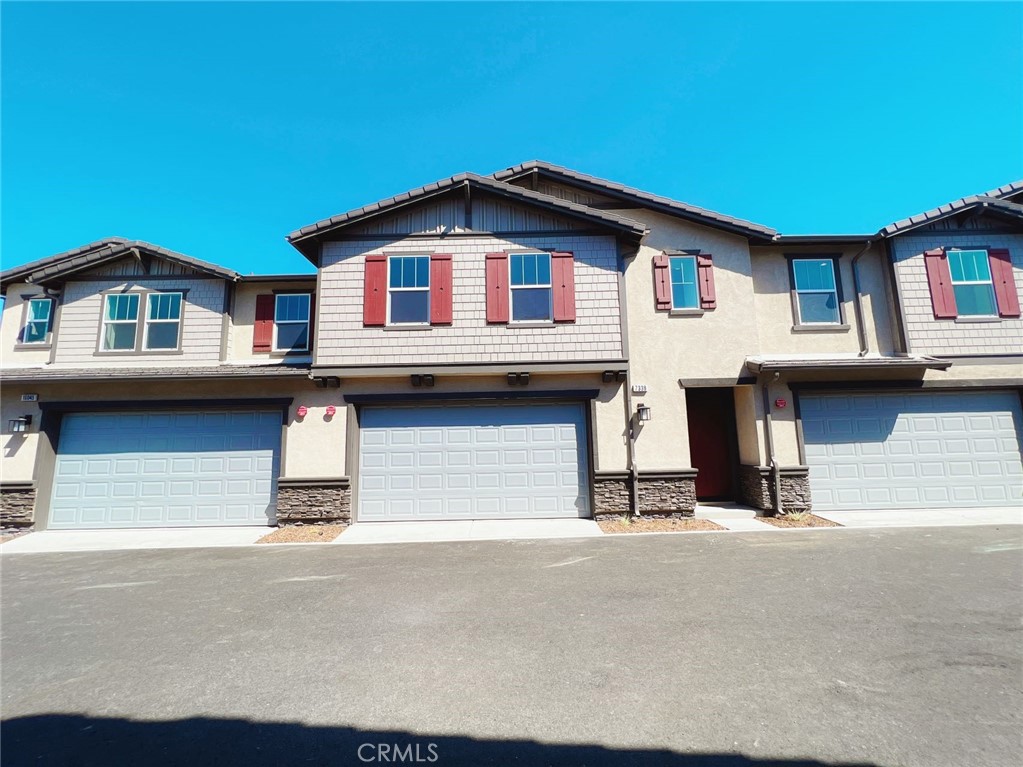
{"points": [[49, 541], [467, 530], [926, 517]]}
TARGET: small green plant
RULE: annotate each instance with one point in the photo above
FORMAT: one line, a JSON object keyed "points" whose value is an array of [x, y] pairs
{"points": [[625, 520], [797, 516]]}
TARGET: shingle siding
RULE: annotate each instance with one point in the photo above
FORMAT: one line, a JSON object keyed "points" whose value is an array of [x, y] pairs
{"points": [[77, 336], [927, 335], [595, 335]]}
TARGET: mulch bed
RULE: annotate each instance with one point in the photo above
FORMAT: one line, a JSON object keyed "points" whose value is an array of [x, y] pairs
{"points": [[10, 535], [668, 525], [304, 534], [807, 521]]}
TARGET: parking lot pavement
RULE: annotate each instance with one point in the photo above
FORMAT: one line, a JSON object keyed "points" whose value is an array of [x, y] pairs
{"points": [[871, 647]]}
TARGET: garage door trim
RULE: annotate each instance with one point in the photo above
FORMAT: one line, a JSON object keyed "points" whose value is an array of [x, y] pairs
{"points": [[52, 415], [582, 397]]}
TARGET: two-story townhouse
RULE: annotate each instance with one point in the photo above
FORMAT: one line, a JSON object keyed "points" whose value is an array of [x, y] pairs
{"points": [[476, 330], [535, 343], [143, 387], [790, 372]]}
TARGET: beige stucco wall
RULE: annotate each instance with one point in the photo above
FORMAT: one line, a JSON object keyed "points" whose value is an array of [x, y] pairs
{"points": [[775, 320], [10, 329], [244, 316], [17, 451], [664, 348]]}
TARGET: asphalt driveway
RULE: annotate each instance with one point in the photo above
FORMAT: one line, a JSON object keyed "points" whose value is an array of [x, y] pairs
{"points": [[881, 647]]}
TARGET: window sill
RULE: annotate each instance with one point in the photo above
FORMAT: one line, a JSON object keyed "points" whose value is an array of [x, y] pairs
{"points": [[32, 347], [970, 320], [297, 353], [408, 327], [532, 324], [694, 312], [133, 353], [820, 328]]}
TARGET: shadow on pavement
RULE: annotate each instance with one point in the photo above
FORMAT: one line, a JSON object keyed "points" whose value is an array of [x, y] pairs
{"points": [[48, 740]]}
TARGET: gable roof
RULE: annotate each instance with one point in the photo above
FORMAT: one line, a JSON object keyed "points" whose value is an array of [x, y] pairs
{"points": [[100, 252], [995, 201], [305, 239], [638, 197]]}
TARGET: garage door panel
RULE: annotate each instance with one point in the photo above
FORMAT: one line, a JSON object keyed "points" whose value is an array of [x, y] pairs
{"points": [[914, 449], [129, 465], [485, 461]]}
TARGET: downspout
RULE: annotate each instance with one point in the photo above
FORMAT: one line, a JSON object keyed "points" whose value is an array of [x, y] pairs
{"points": [[769, 443], [861, 331], [630, 447]]}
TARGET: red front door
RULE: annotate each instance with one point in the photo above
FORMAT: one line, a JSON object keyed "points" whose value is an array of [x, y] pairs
{"points": [[712, 440]]}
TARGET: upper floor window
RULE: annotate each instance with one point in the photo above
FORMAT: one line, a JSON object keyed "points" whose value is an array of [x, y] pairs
{"points": [[816, 291], [291, 322], [120, 322], [38, 319], [160, 324], [685, 293], [408, 290], [972, 284], [531, 288], [163, 321]]}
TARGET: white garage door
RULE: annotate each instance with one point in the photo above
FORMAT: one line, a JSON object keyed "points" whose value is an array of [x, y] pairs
{"points": [[166, 469], [473, 462], [893, 450]]}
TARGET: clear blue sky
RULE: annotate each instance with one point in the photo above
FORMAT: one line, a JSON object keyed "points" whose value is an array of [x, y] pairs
{"points": [[215, 129]]}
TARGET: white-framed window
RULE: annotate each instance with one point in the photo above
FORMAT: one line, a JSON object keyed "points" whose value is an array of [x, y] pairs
{"points": [[163, 321], [971, 282], [291, 322], [120, 322], [817, 301], [685, 293], [408, 290], [530, 286], [38, 317]]}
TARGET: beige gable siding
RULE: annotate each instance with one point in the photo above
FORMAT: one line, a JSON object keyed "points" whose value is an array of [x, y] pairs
{"points": [[130, 267], [77, 337], [963, 336], [596, 334], [489, 214], [564, 192]]}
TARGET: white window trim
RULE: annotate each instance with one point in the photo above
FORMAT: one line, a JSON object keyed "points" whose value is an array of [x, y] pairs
{"points": [[513, 288], [696, 282], [817, 291], [147, 321], [990, 281], [29, 321], [104, 323], [307, 322], [390, 290]]}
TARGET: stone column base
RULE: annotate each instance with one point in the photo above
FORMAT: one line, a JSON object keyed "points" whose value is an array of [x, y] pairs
{"points": [[17, 504], [756, 487], [661, 493], [314, 501]]}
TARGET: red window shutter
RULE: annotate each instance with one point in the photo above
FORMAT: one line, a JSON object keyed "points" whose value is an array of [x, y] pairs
{"points": [[440, 289], [943, 298], [497, 287], [563, 283], [374, 297], [1005, 284], [263, 327], [705, 277], [662, 283]]}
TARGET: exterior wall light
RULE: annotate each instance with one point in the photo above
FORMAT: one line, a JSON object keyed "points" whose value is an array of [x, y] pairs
{"points": [[20, 425], [643, 412]]}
